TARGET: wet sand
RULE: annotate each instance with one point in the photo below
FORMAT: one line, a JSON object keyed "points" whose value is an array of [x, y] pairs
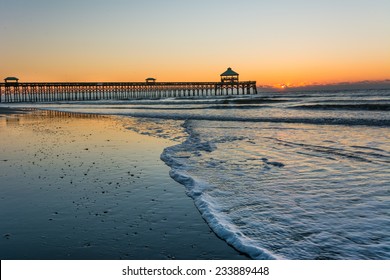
{"points": [[6, 111], [84, 187]]}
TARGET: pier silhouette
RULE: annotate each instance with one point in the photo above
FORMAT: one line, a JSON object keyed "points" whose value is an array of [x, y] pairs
{"points": [[14, 91]]}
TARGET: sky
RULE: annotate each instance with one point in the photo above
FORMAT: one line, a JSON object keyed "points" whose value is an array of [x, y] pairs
{"points": [[275, 42]]}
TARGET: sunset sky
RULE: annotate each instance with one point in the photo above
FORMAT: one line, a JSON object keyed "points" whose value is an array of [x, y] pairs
{"points": [[276, 42]]}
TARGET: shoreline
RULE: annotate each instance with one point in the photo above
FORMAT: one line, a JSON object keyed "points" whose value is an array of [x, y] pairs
{"points": [[88, 188]]}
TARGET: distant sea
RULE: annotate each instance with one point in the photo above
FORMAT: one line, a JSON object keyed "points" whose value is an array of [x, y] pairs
{"points": [[290, 175]]}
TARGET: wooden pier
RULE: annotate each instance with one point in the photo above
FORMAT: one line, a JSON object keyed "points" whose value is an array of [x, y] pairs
{"points": [[48, 92], [13, 91]]}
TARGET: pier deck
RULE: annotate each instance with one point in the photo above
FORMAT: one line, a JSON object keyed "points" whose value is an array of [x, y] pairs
{"points": [[48, 92]]}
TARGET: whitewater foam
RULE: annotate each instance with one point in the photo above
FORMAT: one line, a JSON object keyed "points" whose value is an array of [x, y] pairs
{"points": [[210, 211]]}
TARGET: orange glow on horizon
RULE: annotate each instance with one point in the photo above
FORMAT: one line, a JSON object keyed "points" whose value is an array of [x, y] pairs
{"points": [[277, 80], [291, 71]]}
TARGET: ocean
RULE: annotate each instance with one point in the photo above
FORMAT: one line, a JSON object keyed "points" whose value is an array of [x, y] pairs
{"points": [[287, 175]]}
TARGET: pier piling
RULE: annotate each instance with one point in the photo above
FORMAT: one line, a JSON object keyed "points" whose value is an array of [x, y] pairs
{"points": [[86, 91]]}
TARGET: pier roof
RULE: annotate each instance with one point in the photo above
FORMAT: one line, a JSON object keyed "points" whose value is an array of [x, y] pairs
{"points": [[11, 79], [229, 72]]}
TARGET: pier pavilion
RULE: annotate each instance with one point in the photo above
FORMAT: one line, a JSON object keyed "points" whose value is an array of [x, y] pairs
{"points": [[11, 80], [150, 80], [13, 91], [229, 76]]}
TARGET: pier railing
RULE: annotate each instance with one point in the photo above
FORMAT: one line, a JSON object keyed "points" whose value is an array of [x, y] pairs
{"points": [[49, 92]]}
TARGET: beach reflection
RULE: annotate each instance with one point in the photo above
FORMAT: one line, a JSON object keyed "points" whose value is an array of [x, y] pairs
{"points": [[77, 186]]}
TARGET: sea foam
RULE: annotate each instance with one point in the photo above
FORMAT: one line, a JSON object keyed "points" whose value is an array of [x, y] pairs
{"points": [[196, 189]]}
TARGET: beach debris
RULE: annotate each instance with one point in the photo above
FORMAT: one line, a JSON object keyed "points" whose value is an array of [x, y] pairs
{"points": [[7, 235], [273, 163]]}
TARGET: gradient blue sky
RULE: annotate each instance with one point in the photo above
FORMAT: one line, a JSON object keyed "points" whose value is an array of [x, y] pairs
{"points": [[274, 42]]}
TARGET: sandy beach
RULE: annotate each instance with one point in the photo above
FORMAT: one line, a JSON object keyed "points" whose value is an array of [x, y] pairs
{"points": [[83, 187]]}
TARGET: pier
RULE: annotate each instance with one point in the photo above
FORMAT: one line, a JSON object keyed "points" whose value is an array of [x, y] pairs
{"points": [[14, 91], [48, 92]]}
